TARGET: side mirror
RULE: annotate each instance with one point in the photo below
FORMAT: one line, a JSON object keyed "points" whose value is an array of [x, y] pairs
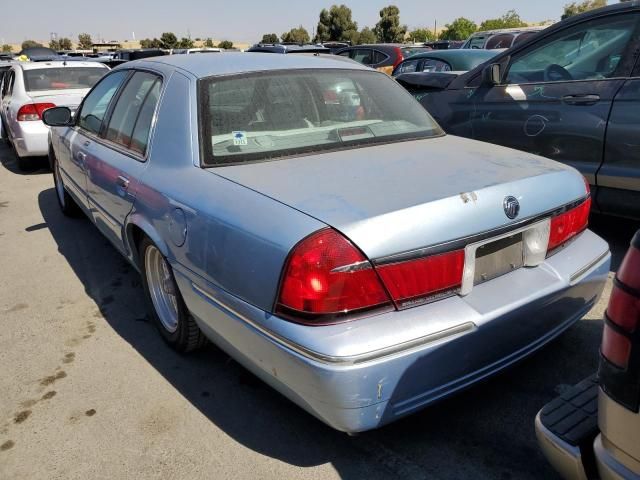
{"points": [[57, 117], [491, 75]]}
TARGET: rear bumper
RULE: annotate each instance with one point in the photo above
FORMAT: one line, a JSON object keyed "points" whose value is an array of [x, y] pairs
{"points": [[347, 375], [32, 139]]}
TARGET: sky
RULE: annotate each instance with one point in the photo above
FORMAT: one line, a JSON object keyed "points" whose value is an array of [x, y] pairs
{"points": [[240, 20]]}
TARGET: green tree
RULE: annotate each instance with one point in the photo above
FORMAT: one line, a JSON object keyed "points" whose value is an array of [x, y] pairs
{"points": [[511, 19], [30, 44], [324, 26], [208, 43], [336, 25], [84, 41], [54, 44], [168, 40], [198, 39], [366, 36], [270, 38], [6, 48], [150, 43], [225, 44], [388, 29], [296, 35], [185, 43], [421, 35], [65, 43], [460, 29], [575, 8]]}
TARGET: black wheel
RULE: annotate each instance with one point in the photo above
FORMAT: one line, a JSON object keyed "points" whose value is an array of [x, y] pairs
{"points": [[67, 204], [165, 304]]}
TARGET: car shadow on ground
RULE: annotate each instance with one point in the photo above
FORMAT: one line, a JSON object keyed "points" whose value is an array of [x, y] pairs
{"points": [[36, 166], [485, 432]]}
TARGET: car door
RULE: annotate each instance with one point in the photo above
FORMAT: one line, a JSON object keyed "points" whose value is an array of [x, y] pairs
{"points": [[619, 176], [556, 94], [7, 92], [118, 160], [76, 144]]}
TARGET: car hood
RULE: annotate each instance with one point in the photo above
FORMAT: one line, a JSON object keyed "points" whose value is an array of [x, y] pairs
{"points": [[398, 197]]}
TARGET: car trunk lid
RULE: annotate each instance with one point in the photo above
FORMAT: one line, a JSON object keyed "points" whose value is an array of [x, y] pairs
{"points": [[400, 197]]}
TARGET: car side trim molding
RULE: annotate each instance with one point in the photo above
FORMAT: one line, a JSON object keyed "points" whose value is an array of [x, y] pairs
{"points": [[338, 360]]}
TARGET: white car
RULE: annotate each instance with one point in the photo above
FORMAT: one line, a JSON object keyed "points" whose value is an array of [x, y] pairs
{"points": [[29, 88]]}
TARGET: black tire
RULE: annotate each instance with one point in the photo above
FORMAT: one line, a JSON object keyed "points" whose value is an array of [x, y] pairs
{"points": [[24, 163], [187, 337], [67, 204]]}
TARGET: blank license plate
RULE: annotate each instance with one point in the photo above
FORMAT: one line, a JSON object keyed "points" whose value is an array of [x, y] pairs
{"points": [[497, 258]]}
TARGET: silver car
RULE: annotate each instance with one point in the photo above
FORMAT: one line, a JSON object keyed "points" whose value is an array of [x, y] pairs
{"points": [[310, 218], [29, 88]]}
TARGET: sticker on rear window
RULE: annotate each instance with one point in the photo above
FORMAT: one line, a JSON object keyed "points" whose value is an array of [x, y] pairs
{"points": [[239, 138]]}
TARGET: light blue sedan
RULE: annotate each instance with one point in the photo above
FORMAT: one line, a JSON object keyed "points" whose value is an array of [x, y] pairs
{"points": [[310, 218]]}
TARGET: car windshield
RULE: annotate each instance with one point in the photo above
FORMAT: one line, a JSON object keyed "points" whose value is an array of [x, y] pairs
{"points": [[410, 51], [62, 78], [263, 116]]}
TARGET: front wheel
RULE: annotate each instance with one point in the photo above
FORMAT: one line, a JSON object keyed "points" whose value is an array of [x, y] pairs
{"points": [[167, 308], [67, 204]]}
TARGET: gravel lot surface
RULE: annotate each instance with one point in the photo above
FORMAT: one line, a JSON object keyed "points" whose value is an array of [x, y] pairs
{"points": [[89, 390]]}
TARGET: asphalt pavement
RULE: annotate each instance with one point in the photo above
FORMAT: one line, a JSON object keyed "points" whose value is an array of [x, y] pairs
{"points": [[89, 390]]}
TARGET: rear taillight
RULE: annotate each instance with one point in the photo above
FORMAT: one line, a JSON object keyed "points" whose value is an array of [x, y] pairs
{"points": [[623, 312], [32, 111], [399, 57], [421, 280], [567, 225], [326, 278]]}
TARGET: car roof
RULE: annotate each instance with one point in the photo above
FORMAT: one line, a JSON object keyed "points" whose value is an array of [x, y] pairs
{"points": [[58, 64], [202, 66]]}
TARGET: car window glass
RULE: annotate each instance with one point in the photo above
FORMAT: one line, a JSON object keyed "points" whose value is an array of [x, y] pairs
{"points": [[408, 66], [140, 137], [378, 57], [363, 55], [345, 54], [128, 107], [523, 37], [433, 65], [589, 51], [9, 85], [62, 78], [503, 40], [476, 42], [95, 104]]}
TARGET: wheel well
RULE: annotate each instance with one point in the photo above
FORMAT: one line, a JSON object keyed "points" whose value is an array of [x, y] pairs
{"points": [[136, 234]]}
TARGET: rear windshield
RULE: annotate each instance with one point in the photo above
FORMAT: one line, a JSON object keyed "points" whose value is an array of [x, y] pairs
{"points": [[62, 78], [263, 116]]}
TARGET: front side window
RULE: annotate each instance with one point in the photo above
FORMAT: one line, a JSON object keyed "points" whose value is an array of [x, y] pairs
{"points": [[136, 104], [264, 116], [589, 51], [95, 104], [62, 78]]}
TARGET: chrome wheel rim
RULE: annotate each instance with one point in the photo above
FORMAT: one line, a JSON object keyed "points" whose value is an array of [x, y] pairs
{"points": [[59, 185], [162, 288]]}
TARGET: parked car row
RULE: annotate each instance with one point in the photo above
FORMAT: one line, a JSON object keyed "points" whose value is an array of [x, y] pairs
{"points": [[343, 241]]}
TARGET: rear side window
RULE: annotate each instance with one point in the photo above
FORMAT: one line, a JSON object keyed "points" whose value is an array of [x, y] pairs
{"points": [[434, 65], [62, 78], [134, 112], [379, 57], [364, 55], [95, 104]]}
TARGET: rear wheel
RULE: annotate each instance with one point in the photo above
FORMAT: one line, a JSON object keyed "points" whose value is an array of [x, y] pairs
{"points": [[67, 204], [167, 308]]}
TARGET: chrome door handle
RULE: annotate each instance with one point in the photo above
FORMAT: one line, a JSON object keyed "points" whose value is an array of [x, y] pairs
{"points": [[581, 99], [81, 156], [86, 143], [122, 181]]}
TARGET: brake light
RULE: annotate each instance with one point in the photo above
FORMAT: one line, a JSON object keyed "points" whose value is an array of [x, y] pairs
{"points": [[567, 225], [417, 281], [325, 278], [399, 57], [623, 311], [33, 111]]}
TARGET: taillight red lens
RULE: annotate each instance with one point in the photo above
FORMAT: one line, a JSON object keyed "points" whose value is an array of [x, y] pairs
{"points": [[415, 281], [399, 57], [624, 310], [33, 111], [615, 347], [326, 276], [569, 224]]}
